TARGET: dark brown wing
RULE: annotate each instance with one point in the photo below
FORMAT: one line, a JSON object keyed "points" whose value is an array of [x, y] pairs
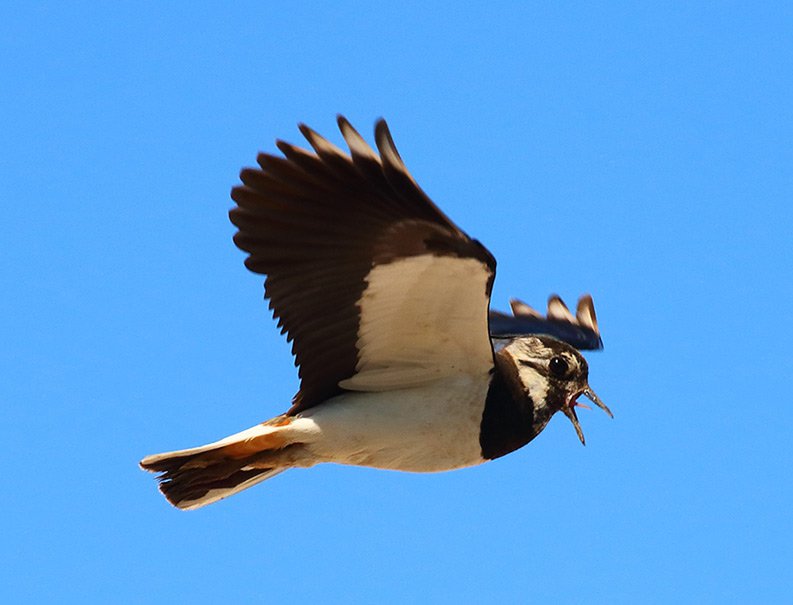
{"points": [[323, 226], [580, 331]]}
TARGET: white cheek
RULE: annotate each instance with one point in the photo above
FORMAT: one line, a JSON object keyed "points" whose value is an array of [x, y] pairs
{"points": [[536, 384]]}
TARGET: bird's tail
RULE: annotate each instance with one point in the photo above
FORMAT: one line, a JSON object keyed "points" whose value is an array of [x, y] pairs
{"points": [[198, 476]]}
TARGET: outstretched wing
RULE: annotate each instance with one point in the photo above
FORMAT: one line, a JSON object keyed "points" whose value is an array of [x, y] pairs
{"points": [[376, 288], [580, 331]]}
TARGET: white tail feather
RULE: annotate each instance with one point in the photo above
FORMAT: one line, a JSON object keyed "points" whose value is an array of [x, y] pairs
{"points": [[213, 495], [194, 477]]}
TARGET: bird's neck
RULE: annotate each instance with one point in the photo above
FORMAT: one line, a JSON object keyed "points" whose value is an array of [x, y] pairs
{"points": [[513, 414]]}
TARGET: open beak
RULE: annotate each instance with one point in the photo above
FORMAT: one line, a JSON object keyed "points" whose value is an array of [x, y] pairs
{"points": [[569, 409]]}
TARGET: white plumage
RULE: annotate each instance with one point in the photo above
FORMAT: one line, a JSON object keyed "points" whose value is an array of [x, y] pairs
{"points": [[386, 302]]}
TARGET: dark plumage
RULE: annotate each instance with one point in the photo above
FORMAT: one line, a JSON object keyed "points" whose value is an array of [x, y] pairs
{"points": [[386, 302]]}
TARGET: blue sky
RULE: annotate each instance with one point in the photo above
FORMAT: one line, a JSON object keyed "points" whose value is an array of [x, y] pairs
{"points": [[640, 153]]}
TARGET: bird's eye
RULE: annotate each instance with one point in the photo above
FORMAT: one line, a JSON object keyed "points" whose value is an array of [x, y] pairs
{"points": [[558, 367]]}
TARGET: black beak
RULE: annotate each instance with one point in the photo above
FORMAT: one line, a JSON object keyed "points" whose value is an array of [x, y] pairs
{"points": [[569, 410], [590, 394]]}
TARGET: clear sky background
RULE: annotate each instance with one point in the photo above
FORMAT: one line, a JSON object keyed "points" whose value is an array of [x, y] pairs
{"points": [[640, 153]]}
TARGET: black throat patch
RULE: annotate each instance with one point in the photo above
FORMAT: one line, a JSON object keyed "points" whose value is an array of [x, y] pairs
{"points": [[510, 419]]}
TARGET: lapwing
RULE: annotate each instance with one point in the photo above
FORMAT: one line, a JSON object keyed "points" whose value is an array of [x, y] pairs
{"points": [[386, 303]]}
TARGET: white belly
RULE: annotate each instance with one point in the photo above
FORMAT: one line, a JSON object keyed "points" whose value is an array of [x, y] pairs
{"points": [[430, 428]]}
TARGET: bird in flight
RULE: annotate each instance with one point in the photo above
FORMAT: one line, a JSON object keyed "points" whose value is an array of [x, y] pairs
{"points": [[386, 301]]}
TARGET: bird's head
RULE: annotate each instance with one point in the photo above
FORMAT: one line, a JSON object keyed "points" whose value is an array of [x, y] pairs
{"points": [[554, 375]]}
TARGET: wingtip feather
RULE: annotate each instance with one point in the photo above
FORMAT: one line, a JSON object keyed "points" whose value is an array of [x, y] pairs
{"points": [[320, 144], [387, 148], [585, 313], [521, 309], [558, 310], [358, 146]]}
